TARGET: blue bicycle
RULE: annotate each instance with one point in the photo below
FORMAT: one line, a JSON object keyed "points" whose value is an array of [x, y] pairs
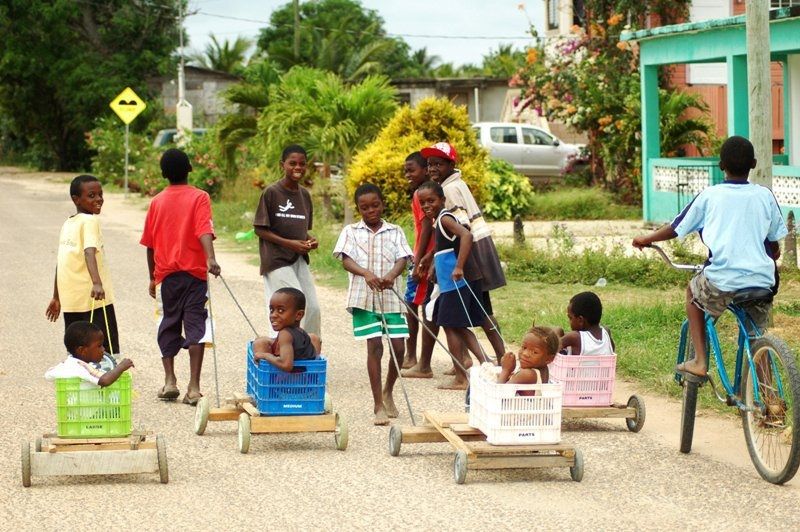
{"points": [[765, 387]]}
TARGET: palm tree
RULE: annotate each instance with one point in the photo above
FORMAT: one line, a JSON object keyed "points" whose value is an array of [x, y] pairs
{"points": [[424, 64], [677, 125], [226, 56]]}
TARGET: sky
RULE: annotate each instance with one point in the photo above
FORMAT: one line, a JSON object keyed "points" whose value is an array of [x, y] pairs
{"points": [[451, 18]]}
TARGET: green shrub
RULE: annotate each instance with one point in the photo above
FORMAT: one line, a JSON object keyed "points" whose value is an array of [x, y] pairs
{"points": [[409, 130], [580, 204], [510, 193]]}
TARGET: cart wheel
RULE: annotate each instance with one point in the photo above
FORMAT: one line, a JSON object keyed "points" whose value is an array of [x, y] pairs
{"points": [[201, 416], [328, 403], [576, 471], [244, 432], [26, 464], [395, 440], [636, 422], [38, 445], [163, 468], [460, 467], [340, 434]]}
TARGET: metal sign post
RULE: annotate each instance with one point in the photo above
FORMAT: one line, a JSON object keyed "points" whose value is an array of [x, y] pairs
{"points": [[127, 151]]}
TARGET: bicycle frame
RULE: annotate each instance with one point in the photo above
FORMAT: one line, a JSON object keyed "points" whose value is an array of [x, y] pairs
{"points": [[732, 389]]}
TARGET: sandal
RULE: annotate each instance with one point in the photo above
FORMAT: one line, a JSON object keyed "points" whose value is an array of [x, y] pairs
{"points": [[192, 401], [169, 394]]}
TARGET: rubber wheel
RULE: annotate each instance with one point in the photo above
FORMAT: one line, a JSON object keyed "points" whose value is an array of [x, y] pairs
{"points": [[576, 470], [689, 407], [460, 467], [395, 440], [38, 445], [636, 422], [163, 467], [328, 403], [770, 426], [201, 416], [466, 400], [340, 434], [26, 464], [244, 432]]}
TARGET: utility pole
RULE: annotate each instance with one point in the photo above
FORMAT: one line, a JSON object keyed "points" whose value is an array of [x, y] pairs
{"points": [[183, 109], [758, 88], [296, 30]]}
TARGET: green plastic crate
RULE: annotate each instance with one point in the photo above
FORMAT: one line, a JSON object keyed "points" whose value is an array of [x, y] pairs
{"points": [[86, 411]]}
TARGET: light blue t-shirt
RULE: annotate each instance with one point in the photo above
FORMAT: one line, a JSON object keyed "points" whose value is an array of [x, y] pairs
{"points": [[734, 220]]}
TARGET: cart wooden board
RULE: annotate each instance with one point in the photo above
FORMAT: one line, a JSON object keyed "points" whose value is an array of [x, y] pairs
{"points": [[240, 408], [473, 452], [54, 456], [633, 412]]}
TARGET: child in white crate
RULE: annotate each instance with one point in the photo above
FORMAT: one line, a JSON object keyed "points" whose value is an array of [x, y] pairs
{"points": [[539, 348], [587, 336]]}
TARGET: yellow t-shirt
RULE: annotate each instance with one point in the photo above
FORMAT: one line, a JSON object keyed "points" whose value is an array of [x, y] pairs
{"points": [[79, 232]]}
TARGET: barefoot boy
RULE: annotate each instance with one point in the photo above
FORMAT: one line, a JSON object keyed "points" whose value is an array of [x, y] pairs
{"points": [[179, 234], [286, 308]]}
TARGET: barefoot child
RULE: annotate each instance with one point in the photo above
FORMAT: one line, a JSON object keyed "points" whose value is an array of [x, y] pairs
{"points": [[375, 253], [286, 309], [87, 359], [539, 348], [458, 277], [416, 172], [179, 237], [81, 274], [282, 223], [587, 336]]}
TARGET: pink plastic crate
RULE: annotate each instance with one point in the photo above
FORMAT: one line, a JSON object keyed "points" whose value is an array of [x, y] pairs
{"points": [[587, 380]]}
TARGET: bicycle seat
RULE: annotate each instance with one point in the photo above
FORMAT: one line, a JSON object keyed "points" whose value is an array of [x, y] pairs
{"points": [[746, 295]]}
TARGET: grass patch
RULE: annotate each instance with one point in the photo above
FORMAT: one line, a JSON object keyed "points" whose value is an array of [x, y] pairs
{"points": [[580, 204]]}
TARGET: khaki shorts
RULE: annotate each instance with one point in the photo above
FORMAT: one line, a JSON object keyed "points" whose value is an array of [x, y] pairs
{"points": [[714, 301]]}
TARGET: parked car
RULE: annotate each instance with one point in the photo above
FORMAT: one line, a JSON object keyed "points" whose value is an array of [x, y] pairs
{"points": [[167, 136], [532, 151]]}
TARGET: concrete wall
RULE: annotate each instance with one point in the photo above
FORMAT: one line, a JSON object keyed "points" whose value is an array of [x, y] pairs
{"points": [[204, 92]]}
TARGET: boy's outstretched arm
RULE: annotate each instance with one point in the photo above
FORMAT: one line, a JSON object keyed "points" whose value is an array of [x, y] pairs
{"points": [[54, 308], [570, 340], [90, 254], [665, 232], [111, 376], [373, 281], [207, 241], [422, 260]]}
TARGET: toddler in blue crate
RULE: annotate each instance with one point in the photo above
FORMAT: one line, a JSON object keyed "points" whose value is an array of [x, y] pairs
{"points": [[587, 336], [539, 348], [87, 358], [287, 306]]}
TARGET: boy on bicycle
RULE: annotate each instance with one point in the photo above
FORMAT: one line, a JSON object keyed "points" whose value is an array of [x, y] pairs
{"points": [[740, 223]]}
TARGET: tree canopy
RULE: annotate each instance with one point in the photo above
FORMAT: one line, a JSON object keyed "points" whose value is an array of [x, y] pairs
{"points": [[62, 61], [226, 56]]}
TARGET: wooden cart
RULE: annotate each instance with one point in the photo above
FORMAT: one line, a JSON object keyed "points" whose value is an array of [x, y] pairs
{"points": [[633, 412], [54, 456], [240, 408], [473, 452]]}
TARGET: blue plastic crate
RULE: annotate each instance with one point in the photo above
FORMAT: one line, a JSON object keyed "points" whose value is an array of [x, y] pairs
{"points": [[279, 393]]}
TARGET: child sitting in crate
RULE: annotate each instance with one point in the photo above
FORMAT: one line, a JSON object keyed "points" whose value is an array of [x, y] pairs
{"points": [[287, 306], [539, 348], [87, 359], [587, 336]]}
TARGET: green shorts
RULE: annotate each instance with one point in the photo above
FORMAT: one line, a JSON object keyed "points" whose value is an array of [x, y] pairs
{"points": [[368, 324]]}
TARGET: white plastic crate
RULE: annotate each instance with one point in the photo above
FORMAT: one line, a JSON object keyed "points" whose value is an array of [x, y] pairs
{"points": [[509, 419], [587, 380]]}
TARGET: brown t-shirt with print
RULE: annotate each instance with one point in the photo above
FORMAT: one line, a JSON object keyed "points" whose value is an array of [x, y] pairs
{"points": [[288, 214]]}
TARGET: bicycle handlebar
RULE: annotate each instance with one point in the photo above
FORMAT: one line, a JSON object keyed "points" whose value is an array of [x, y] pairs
{"points": [[688, 267]]}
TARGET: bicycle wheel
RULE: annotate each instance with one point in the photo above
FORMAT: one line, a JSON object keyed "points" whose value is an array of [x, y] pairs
{"points": [[769, 425], [689, 402]]}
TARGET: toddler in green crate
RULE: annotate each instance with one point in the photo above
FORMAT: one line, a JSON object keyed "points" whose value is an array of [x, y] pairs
{"points": [[287, 306], [87, 358]]}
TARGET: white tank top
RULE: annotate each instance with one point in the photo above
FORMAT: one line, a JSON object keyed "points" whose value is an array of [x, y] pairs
{"points": [[591, 346]]}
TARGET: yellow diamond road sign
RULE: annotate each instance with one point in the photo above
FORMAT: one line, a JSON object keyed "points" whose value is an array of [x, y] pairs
{"points": [[127, 105]]}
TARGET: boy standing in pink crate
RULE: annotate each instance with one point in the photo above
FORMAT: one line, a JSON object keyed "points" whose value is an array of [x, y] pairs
{"points": [[179, 234]]}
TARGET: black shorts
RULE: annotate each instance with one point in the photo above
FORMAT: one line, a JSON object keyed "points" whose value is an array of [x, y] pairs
{"points": [[111, 345], [182, 301]]}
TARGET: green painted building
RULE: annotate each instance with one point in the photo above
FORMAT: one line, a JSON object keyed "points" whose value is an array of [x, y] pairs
{"points": [[670, 183]]}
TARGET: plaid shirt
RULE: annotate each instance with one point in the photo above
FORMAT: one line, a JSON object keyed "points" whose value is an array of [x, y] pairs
{"points": [[377, 252]]}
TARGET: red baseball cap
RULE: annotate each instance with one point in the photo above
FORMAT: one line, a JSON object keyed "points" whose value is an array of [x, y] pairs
{"points": [[444, 150]]}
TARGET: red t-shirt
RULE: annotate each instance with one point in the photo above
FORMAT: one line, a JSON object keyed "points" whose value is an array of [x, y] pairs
{"points": [[416, 209], [178, 216]]}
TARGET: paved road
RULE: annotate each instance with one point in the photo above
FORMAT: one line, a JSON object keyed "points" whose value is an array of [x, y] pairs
{"points": [[632, 481]]}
